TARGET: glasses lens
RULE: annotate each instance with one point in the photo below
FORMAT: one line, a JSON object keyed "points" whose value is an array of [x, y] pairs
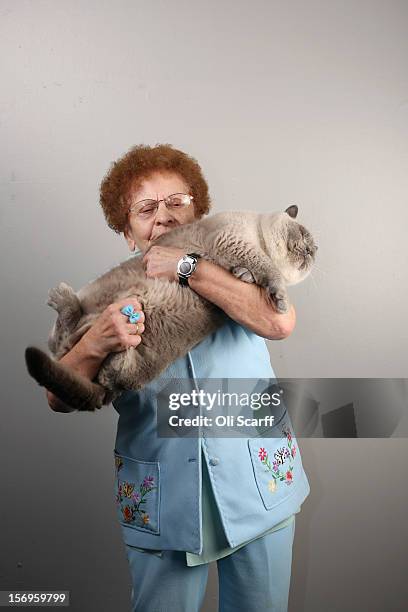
{"points": [[146, 209], [178, 200]]}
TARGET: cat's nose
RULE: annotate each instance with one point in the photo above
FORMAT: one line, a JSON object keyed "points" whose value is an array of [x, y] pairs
{"points": [[311, 250]]}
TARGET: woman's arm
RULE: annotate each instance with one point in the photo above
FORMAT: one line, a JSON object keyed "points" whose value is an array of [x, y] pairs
{"points": [[248, 304]]}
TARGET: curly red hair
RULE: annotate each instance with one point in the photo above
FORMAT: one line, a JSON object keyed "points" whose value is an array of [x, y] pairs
{"points": [[138, 164]]}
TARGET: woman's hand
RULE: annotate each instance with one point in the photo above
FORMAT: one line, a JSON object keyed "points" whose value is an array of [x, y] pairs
{"points": [[111, 332], [161, 262]]}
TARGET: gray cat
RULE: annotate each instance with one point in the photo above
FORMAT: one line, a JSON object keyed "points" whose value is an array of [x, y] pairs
{"points": [[272, 250]]}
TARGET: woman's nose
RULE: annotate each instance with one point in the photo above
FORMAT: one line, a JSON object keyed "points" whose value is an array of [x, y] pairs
{"points": [[163, 215]]}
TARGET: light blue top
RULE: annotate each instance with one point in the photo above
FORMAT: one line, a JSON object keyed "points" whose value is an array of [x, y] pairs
{"points": [[215, 545], [168, 472]]}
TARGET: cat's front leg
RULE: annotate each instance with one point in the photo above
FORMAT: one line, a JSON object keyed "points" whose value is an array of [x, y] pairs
{"points": [[244, 259], [274, 286], [243, 274], [278, 294]]}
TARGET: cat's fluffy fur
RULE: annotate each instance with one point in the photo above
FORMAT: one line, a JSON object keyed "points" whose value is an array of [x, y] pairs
{"points": [[272, 250]]}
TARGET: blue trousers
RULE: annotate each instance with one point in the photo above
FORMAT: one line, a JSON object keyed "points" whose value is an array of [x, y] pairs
{"points": [[255, 577]]}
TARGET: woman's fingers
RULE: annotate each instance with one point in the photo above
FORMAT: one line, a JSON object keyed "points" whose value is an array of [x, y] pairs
{"points": [[135, 328], [112, 330], [132, 331]]}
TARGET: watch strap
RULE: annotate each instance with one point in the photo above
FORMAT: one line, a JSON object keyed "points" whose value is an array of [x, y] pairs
{"points": [[183, 281]]}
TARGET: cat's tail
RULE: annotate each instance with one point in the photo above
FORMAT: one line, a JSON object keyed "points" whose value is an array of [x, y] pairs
{"points": [[70, 387]]}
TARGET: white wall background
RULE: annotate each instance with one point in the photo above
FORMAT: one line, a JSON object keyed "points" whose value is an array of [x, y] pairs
{"points": [[281, 103]]}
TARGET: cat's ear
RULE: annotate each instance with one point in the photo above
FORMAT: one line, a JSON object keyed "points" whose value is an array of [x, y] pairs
{"points": [[292, 211]]}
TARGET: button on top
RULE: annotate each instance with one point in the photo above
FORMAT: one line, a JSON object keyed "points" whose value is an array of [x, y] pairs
{"points": [[214, 461]]}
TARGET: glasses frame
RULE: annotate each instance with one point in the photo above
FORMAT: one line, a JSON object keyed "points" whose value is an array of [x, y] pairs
{"points": [[165, 200]]}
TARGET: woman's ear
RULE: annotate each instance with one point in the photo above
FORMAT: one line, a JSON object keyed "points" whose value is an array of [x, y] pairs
{"points": [[129, 238]]}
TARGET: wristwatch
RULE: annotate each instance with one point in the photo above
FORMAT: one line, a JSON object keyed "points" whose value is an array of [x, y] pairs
{"points": [[186, 266]]}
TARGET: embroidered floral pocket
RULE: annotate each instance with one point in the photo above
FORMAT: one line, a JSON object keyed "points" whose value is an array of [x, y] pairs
{"points": [[137, 490], [275, 463]]}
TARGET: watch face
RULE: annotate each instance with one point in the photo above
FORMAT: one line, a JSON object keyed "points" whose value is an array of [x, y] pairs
{"points": [[185, 267]]}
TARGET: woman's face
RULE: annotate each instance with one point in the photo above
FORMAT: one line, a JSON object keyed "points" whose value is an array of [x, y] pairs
{"points": [[141, 231]]}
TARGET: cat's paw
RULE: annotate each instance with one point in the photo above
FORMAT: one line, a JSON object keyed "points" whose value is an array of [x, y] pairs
{"points": [[243, 274], [279, 298], [282, 306], [60, 296], [65, 301]]}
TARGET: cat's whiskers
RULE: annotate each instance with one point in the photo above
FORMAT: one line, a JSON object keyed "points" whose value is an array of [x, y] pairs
{"points": [[313, 279], [318, 269]]}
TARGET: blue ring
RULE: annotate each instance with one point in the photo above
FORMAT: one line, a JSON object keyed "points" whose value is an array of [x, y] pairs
{"points": [[129, 312]]}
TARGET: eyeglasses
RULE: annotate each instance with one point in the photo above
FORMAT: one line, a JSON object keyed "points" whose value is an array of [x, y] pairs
{"points": [[148, 208]]}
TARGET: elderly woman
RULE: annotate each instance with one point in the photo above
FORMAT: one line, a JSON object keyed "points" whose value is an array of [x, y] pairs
{"points": [[184, 502]]}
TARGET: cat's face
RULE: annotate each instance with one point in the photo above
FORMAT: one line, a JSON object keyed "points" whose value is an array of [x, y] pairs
{"points": [[297, 248], [142, 230], [301, 248]]}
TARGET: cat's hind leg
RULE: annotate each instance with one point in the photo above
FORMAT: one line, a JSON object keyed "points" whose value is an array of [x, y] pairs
{"points": [[65, 301], [69, 386]]}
